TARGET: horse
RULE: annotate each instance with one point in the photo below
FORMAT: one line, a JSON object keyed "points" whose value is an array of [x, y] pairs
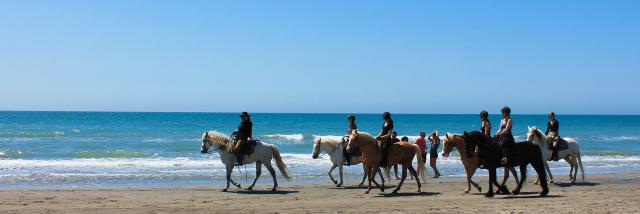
{"points": [[525, 153], [334, 149], [263, 154], [571, 155], [471, 164], [399, 153]]}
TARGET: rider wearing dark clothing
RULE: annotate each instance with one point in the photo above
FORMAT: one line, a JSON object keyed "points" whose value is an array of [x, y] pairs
{"points": [[243, 135], [552, 132], [352, 127], [385, 136], [504, 136]]}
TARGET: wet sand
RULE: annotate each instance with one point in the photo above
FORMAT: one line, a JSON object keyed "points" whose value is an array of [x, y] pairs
{"points": [[602, 193]]}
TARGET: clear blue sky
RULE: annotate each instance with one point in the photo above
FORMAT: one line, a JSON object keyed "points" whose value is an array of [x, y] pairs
{"points": [[572, 57]]}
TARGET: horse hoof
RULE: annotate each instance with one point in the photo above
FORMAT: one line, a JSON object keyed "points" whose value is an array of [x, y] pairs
{"points": [[273, 189], [544, 193], [489, 194], [551, 181], [419, 190], [366, 192], [224, 190], [535, 183], [339, 185], [479, 189], [394, 192], [515, 192], [249, 188], [466, 191], [335, 182]]}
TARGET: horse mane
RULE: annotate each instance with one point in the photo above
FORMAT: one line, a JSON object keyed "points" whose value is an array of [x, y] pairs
{"points": [[219, 139], [367, 136], [538, 133], [328, 141]]}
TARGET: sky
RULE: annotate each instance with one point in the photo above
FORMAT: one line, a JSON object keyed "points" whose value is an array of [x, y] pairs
{"points": [[436, 57]]}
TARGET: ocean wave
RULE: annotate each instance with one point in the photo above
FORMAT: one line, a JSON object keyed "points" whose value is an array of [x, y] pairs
{"points": [[293, 137], [11, 154], [114, 154], [31, 134], [619, 138]]}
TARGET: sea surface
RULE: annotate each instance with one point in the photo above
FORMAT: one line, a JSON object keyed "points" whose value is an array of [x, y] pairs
{"points": [[89, 149]]}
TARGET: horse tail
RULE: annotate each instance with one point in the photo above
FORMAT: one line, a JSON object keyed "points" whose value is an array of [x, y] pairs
{"points": [[421, 168], [580, 164], [283, 167]]}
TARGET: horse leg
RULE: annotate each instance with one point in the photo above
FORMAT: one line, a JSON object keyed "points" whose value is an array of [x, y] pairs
{"points": [[228, 176], [515, 174], [364, 176], [331, 176], [575, 173], [492, 178], [368, 173], [373, 178], [415, 174], [340, 169], [258, 172], [540, 170], [523, 172], [570, 167], [273, 175], [505, 177], [404, 176]]}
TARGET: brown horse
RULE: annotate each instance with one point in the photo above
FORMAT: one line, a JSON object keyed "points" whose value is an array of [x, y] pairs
{"points": [[471, 164], [399, 153]]}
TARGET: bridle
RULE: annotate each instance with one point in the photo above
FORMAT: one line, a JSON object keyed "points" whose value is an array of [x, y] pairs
{"points": [[321, 155]]}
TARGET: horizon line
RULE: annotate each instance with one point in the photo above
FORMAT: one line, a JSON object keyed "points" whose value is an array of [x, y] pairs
{"points": [[230, 112]]}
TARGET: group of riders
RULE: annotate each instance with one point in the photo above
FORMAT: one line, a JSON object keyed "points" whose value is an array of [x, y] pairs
{"points": [[387, 137]]}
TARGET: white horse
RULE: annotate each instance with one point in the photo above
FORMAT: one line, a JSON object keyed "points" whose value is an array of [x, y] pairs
{"points": [[571, 154], [334, 149], [262, 155]]}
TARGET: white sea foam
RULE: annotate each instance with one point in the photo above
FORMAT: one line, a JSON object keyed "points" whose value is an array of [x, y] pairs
{"points": [[293, 137]]}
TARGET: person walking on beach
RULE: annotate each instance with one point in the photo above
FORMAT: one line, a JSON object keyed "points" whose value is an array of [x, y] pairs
{"points": [[352, 127], [243, 135], [504, 136], [553, 127], [384, 137], [433, 152], [422, 143], [394, 138]]}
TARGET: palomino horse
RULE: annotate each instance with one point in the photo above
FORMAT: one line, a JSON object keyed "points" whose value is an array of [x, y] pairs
{"points": [[334, 149], [399, 153], [571, 155], [524, 153], [471, 164], [263, 154]]}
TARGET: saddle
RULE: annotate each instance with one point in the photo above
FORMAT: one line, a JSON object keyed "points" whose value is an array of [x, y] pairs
{"points": [[562, 145], [249, 147]]}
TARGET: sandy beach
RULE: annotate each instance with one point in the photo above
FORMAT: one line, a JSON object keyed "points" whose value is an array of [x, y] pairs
{"points": [[601, 193]]}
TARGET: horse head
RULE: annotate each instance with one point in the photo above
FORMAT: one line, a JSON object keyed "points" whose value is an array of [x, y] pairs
{"points": [[206, 143], [448, 144], [535, 135], [316, 148], [215, 139], [353, 137]]}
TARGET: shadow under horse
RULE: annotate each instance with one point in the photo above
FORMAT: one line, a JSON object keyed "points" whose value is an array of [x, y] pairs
{"points": [[524, 153]]}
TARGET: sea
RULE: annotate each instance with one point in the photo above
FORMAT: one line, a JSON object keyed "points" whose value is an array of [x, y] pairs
{"points": [[122, 149]]}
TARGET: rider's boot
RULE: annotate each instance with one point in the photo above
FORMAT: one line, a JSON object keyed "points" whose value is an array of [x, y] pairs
{"points": [[239, 161]]}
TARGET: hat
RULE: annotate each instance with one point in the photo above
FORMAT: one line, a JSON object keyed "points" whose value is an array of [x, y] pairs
{"points": [[244, 113]]}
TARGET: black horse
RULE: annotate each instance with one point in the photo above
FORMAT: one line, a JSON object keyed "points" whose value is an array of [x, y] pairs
{"points": [[524, 153]]}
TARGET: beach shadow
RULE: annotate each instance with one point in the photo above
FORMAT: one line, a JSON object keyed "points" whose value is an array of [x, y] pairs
{"points": [[402, 194], [362, 187], [530, 196], [586, 184], [265, 192]]}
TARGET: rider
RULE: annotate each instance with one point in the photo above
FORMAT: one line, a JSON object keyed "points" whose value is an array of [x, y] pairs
{"points": [[243, 135], [552, 132], [504, 135], [485, 128], [352, 127], [384, 137]]}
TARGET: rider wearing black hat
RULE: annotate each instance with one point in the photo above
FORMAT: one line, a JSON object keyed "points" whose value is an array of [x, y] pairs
{"points": [[243, 135], [352, 127]]}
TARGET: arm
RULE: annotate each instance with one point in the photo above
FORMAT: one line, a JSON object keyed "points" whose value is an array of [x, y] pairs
{"points": [[499, 130], [487, 128], [508, 128], [547, 131]]}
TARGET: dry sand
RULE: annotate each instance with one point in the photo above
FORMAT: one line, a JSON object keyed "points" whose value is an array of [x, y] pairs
{"points": [[603, 193]]}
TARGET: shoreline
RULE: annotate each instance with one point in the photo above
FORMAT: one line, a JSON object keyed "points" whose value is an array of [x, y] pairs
{"points": [[609, 192]]}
